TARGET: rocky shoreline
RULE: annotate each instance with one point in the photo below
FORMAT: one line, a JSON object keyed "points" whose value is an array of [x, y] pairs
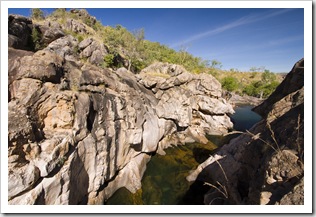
{"points": [[264, 165], [236, 100]]}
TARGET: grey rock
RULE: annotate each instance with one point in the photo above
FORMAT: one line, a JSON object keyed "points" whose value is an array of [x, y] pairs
{"points": [[76, 26], [97, 58], [85, 43], [64, 47], [50, 34], [292, 82], [94, 51]]}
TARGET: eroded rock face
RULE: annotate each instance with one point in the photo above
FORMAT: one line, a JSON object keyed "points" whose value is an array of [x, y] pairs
{"points": [[264, 166], [77, 133]]}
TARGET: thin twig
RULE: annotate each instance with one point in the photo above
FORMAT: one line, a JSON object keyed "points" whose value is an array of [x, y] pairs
{"points": [[219, 190], [273, 136], [265, 142], [222, 170], [224, 188]]}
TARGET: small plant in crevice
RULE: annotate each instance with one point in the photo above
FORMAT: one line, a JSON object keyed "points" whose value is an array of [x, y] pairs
{"points": [[36, 38], [61, 161]]}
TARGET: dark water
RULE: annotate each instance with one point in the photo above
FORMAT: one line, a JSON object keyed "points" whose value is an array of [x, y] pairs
{"points": [[244, 118], [164, 182]]}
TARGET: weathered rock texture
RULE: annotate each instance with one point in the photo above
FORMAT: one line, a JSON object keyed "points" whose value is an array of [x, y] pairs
{"points": [[78, 132], [264, 166]]}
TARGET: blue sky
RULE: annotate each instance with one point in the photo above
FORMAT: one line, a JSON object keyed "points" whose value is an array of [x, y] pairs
{"points": [[238, 38]]}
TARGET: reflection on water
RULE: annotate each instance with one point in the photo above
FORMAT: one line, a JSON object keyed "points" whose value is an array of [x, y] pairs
{"points": [[164, 182]]}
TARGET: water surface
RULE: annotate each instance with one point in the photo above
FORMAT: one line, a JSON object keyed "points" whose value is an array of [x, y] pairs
{"points": [[244, 118]]}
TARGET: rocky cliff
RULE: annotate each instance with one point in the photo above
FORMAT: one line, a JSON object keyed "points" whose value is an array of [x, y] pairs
{"points": [[264, 165], [78, 131]]}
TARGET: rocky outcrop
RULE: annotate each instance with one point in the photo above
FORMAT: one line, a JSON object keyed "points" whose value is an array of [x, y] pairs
{"points": [[287, 95], [50, 32], [264, 165], [20, 30], [93, 50], [78, 132], [190, 104], [51, 35], [83, 14], [236, 99]]}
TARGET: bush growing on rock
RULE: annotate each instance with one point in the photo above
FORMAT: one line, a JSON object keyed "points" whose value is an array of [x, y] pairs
{"points": [[37, 14], [36, 38], [109, 60]]}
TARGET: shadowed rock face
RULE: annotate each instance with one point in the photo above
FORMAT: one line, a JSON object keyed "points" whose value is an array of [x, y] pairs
{"points": [[78, 132], [20, 29], [264, 166]]}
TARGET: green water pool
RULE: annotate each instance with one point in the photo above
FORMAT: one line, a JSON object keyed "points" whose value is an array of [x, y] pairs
{"points": [[164, 181]]}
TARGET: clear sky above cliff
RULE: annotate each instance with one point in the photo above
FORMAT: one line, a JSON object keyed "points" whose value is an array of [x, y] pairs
{"points": [[238, 38]]}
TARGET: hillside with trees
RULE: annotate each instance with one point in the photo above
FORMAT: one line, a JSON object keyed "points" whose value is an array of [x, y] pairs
{"points": [[132, 51]]}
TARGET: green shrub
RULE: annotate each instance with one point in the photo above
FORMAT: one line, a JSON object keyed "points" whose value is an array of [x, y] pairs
{"points": [[37, 14], [230, 83], [109, 60], [59, 13], [138, 65], [269, 88], [80, 38], [260, 89], [97, 26], [268, 77], [36, 38]]}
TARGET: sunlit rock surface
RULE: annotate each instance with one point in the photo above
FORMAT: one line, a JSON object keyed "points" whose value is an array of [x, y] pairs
{"points": [[78, 132]]}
